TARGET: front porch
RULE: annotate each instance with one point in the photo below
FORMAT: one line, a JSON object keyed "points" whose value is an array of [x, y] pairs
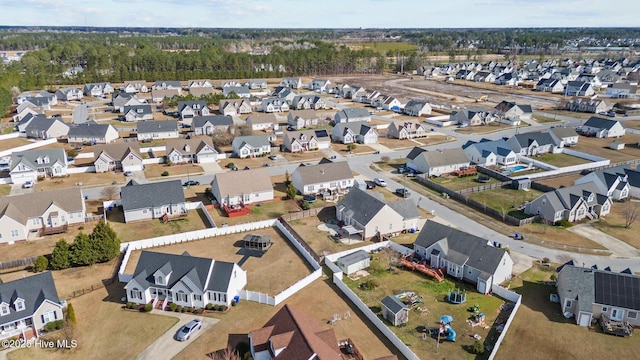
{"points": [[22, 329]]}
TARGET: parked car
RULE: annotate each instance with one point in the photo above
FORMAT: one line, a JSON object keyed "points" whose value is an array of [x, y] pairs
{"points": [[128, 173], [273, 157], [28, 184], [405, 193], [185, 332], [380, 182], [191, 183], [370, 185]]}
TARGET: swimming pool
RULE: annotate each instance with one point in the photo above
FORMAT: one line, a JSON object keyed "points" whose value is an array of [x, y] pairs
{"points": [[515, 168]]}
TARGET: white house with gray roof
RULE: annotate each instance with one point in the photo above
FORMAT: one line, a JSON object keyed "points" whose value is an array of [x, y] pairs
{"points": [[141, 112], [31, 164], [155, 130], [212, 124], [97, 89], [254, 84], [242, 187], [602, 128], [134, 87], [563, 136], [465, 256], [306, 102], [68, 94], [490, 152], [117, 156], [27, 304], [349, 115], [437, 162], [612, 182], [368, 214], [306, 140], [192, 108], [417, 108], [262, 122], [323, 177], [121, 100], [321, 86], [241, 91], [571, 203], [184, 280], [251, 146], [194, 150], [300, 119], [271, 105], [531, 144], [294, 83], [92, 133], [152, 200], [41, 127], [232, 107], [40, 213], [357, 132]]}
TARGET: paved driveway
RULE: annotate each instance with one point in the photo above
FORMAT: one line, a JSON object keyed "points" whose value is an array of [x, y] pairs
{"points": [[166, 346], [617, 247]]}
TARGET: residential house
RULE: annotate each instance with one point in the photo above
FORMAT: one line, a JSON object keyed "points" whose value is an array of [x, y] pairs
{"points": [[612, 182], [490, 152], [194, 150], [306, 140], [134, 87], [27, 304], [208, 125], [507, 79], [235, 107], [320, 85], [97, 89], [38, 103], [578, 88], [299, 119], [285, 93], [465, 256], [511, 110], [152, 200], [293, 83], [251, 146], [471, 117], [254, 84], [40, 213], [563, 136], [242, 187], [231, 83], [118, 156], [465, 74], [602, 128], [68, 94], [141, 112], [92, 133], [394, 311], [164, 85], [199, 83], [27, 109], [326, 176], [37, 97], [154, 130], [484, 76], [184, 280], [305, 102], [354, 132], [192, 108], [30, 165], [368, 214], [622, 90], [571, 203], [159, 94], [352, 115], [199, 91], [595, 106], [531, 144], [240, 91], [262, 122], [292, 334], [590, 293], [42, 127], [389, 103], [406, 130], [354, 92], [417, 108], [270, 105], [354, 262], [550, 85], [122, 99], [437, 162]]}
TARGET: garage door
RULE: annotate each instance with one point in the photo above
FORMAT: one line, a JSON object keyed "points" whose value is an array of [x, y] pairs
{"points": [[585, 319]]}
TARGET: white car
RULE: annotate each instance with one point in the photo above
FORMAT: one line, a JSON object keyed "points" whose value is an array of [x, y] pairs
{"points": [[380, 182], [28, 184]]}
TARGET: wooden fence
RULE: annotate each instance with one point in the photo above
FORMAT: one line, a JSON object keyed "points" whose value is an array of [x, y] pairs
{"points": [[302, 214], [17, 263]]}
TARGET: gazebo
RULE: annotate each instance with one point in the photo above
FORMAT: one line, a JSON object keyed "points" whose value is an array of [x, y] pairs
{"points": [[257, 242]]}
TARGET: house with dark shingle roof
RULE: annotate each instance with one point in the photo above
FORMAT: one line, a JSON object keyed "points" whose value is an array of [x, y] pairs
{"points": [[354, 132], [465, 256], [118, 156], [194, 150], [242, 187], [325, 176], [152, 200], [92, 133], [371, 216], [140, 112], [293, 83], [122, 99], [349, 115], [97, 89], [308, 102], [234, 107], [192, 108], [300, 119], [208, 125], [241, 91], [29, 165], [417, 108], [27, 304], [68, 94], [251, 146], [437, 162], [154, 130], [589, 293], [41, 127], [306, 140], [602, 128], [406, 130], [511, 110], [612, 181], [531, 144], [271, 105], [571, 203], [43, 212], [184, 280], [254, 84], [291, 334], [490, 152], [563, 136]]}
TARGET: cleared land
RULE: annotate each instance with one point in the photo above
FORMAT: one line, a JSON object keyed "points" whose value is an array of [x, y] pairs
{"points": [[614, 223], [541, 332], [600, 147], [273, 272]]}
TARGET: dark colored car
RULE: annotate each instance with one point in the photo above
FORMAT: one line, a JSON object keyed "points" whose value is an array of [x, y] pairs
{"points": [[191, 183], [405, 193]]}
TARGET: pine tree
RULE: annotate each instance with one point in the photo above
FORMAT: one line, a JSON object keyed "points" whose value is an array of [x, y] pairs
{"points": [[61, 255], [82, 251], [40, 264], [71, 314], [105, 242]]}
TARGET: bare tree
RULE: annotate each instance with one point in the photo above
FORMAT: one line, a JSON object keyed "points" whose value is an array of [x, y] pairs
{"points": [[226, 354], [109, 192], [630, 214]]}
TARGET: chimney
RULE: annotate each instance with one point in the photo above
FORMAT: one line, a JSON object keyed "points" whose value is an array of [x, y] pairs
{"points": [[322, 171]]}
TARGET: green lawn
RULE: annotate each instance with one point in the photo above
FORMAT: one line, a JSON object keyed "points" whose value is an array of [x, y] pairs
{"points": [[561, 160], [433, 294], [544, 119], [505, 198], [459, 183]]}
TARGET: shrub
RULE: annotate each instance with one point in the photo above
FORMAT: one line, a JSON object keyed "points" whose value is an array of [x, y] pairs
{"points": [[40, 264], [130, 305], [147, 307], [187, 309], [80, 228], [71, 314], [216, 307], [243, 348], [179, 308], [230, 165], [54, 325], [564, 223], [223, 307], [173, 307], [370, 284], [209, 306], [477, 348], [198, 311], [165, 173], [40, 178], [233, 302], [305, 205], [72, 153]]}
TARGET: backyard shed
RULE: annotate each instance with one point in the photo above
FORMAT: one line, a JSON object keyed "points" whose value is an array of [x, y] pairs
{"points": [[353, 262], [257, 242], [617, 145], [395, 311]]}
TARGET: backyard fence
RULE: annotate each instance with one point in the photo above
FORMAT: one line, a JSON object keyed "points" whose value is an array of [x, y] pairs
{"points": [[17, 263], [302, 214], [298, 242], [258, 297], [88, 289], [517, 300], [12, 135], [33, 145]]}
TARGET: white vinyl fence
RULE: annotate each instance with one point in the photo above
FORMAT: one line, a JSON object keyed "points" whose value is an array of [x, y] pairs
{"points": [[12, 135], [517, 300], [33, 145]]}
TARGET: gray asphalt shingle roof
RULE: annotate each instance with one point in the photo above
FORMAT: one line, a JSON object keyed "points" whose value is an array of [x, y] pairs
{"points": [[394, 305], [148, 127], [139, 196], [34, 290]]}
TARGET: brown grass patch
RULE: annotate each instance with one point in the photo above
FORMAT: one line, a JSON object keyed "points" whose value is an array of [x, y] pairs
{"points": [[600, 147], [86, 179], [560, 181], [613, 224], [13, 143], [155, 170]]}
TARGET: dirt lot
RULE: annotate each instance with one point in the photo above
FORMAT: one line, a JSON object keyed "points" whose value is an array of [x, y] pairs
{"points": [[279, 268], [560, 181]]}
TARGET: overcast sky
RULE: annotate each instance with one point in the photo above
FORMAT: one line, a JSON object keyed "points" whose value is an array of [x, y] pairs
{"points": [[323, 13]]}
